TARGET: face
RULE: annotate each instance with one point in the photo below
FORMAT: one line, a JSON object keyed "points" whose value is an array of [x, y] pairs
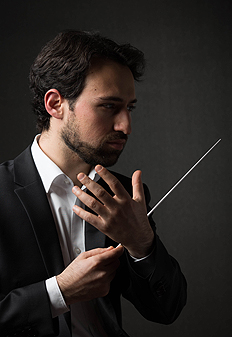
{"points": [[98, 126]]}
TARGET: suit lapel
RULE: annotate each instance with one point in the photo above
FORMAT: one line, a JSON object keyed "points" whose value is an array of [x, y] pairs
{"points": [[33, 197]]}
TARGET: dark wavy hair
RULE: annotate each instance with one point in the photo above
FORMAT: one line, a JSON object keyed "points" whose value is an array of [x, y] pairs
{"points": [[64, 62]]}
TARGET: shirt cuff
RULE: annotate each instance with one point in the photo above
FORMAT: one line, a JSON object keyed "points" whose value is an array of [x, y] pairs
{"points": [[145, 265], [57, 302]]}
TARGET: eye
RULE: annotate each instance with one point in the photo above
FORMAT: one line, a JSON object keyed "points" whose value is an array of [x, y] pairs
{"points": [[131, 108], [109, 106]]}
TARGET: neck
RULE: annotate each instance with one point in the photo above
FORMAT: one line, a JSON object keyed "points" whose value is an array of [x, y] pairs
{"points": [[68, 161]]}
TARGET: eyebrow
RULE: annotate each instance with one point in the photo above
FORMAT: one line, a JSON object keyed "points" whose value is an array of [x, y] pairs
{"points": [[115, 98]]}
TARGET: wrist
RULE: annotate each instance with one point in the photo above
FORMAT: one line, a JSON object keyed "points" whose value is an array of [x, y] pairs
{"points": [[61, 284], [142, 250]]}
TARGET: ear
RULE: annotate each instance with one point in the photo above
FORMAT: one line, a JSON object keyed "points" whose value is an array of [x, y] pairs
{"points": [[53, 103]]}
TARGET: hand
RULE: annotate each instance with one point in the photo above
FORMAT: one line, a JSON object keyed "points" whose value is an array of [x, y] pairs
{"points": [[89, 275], [122, 218]]}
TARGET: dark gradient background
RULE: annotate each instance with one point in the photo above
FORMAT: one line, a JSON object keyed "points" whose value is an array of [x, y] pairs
{"points": [[184, 106]]}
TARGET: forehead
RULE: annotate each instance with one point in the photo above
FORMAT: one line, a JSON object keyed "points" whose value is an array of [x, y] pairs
{"points": [[110, 78]]}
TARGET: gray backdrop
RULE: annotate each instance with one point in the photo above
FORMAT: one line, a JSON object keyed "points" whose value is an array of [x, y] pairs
{"points": [[184, 106]]}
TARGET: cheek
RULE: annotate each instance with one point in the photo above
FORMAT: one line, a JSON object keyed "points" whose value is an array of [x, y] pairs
{"points": [[98, 126], [93, 125], [95, 130]]}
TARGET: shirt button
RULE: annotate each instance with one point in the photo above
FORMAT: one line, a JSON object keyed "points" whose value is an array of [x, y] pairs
{"points": [[77, 250]]}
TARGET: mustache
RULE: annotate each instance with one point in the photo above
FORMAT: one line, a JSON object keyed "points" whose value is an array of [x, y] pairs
{"points": [[115, 136]]}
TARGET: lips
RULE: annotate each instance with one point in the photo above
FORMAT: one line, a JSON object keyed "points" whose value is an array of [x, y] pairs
{"points": [[117, 144]]}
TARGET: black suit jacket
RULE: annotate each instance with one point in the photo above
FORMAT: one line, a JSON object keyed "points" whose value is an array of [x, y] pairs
{"points": [[30, 253]]}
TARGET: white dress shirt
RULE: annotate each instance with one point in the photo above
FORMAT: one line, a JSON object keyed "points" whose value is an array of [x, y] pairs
{"points": [[71, 232]]}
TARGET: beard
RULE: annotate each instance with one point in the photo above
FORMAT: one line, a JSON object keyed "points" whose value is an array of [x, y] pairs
{"points": [[92, 155]]}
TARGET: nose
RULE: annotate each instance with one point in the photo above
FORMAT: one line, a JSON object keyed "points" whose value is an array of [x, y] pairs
{"points": [[123, 122]]}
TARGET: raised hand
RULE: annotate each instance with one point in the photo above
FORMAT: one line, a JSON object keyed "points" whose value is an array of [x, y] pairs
{"points": [[120, 217], [89, 275]]}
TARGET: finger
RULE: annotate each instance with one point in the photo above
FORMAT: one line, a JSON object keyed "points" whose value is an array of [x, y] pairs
{"points": [[111, 255], [89, 201], [96, 189], [93, 219], [114, 184], [95, 251], [108, 254], [137, 185]]}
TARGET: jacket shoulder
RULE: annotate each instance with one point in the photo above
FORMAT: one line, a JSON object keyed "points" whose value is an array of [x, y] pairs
{"points": [[18, 171], [6, 173]]}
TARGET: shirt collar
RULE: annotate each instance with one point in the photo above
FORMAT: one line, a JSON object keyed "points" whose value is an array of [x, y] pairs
{"points": [[47, 169]]}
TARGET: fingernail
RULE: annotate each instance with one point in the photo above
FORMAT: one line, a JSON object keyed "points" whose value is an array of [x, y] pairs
{"points": [[98, 168], [81, 176], [75, 189]]}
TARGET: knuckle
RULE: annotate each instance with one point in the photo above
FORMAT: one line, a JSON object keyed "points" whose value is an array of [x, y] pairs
{"points": [[101, 193], [93, 203], [115, 183], [83, 255], [107, 226], [97, 260], [127, 203], [107, 222], [88, 218]]}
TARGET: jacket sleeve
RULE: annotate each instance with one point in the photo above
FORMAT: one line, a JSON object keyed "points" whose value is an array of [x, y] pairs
{"points": [[25, 311], [160, 294]]}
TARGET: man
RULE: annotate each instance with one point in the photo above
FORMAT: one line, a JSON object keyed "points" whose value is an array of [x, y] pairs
{"points": [[74, 237]]}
